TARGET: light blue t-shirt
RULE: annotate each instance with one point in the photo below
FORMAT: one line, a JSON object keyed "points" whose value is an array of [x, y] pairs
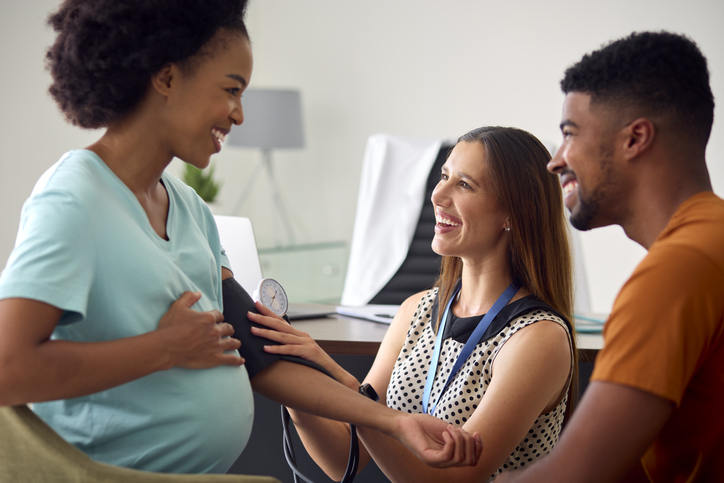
{"points": [[86, 246]]}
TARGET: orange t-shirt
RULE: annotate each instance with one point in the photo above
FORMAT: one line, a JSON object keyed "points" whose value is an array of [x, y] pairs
{"points": [[665, 336]]}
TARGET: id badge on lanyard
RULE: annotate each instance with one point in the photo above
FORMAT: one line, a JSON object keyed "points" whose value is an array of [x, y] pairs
{"points": [[473, 340]]}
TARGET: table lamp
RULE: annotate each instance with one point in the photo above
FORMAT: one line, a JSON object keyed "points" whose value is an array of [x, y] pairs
{"points": [[272, 120]]}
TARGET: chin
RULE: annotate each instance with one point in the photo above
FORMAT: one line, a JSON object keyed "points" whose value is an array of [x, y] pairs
{"points": [[440, 250], [585, 221], [200, 163], [436, 248], [582, 215]]}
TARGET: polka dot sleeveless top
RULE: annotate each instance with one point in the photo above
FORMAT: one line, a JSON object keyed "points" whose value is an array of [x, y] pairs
{"points": [[468, 387]]}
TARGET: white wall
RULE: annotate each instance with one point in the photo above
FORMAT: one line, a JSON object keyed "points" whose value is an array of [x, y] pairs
{"points": [[421, 68]]}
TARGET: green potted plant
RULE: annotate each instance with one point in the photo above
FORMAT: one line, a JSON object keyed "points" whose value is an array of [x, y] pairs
{"points": [[202, 182]]}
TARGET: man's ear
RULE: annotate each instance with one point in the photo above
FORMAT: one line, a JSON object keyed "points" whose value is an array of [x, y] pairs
{"points": [[164, 78], [639, 135]]}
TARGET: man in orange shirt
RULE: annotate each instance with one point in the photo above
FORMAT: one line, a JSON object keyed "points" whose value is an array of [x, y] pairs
{"points": [[636, 120]]}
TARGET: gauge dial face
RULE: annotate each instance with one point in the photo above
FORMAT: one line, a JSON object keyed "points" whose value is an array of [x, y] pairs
{"points": [[272, 295]]}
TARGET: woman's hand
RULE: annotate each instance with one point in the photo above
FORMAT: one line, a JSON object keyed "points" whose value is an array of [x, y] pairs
{"points": [[296, 343], [437, 443], [198, 340]]}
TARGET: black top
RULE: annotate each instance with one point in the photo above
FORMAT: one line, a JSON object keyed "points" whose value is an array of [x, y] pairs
{"points": [[461, 328]]}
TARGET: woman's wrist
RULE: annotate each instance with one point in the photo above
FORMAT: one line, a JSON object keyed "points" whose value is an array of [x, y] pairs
{"points": [[351, 382], [369, 392], [390, 422], [338, 372]]}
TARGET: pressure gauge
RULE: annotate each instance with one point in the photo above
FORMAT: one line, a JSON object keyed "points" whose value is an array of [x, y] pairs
{"points": [[271, 294]]}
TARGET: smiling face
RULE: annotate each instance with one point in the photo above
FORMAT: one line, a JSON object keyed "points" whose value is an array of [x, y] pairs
{"points": [[470, 223], [204, 102], [585, 163]]}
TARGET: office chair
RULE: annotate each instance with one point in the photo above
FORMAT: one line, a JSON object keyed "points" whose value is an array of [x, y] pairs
{"points": [[390, 254], [31, 451], [421, 265]]}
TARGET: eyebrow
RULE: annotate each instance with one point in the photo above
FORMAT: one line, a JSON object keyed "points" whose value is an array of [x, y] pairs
{"points": [[466, 177], [237, 78], [568, 123]]}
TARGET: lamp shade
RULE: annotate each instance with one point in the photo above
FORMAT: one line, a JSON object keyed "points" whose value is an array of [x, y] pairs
{"points": [[272, 120]]}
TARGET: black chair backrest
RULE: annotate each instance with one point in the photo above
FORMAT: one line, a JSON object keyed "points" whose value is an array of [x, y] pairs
{"points": [[421, 266]]}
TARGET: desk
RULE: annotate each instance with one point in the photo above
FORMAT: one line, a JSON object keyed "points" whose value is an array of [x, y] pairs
{"points": [[588, 346], [341, 335]]}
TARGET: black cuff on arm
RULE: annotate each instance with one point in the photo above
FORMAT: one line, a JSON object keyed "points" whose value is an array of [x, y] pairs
{"points": [[237, 303]]}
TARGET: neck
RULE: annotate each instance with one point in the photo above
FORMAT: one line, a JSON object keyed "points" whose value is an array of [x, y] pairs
{"points": [[136, 157], [481, 287], [659, 193]]}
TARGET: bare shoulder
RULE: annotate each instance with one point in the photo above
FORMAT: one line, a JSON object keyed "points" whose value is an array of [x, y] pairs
{"points": [[544, 343], [547, 332], [541, 338], [411, 304], [379, 375], [408, 310]]}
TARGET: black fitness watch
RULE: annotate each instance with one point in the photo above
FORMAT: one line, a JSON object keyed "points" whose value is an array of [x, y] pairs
{"points": [[368, 391]]}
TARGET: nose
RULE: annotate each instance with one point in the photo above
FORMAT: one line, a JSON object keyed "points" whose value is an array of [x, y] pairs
{"points": [[439, 196], [237, 115], [556, 164]]}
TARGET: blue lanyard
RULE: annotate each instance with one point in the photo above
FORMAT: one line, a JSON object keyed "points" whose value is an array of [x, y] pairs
{"points": [[469, 345]]}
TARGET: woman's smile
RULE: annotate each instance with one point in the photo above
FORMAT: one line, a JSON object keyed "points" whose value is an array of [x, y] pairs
{"points": [[445, 223], [219, 136]]}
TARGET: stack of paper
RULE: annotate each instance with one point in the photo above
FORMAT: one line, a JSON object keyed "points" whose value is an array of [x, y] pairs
{"points": [[590, 323]]}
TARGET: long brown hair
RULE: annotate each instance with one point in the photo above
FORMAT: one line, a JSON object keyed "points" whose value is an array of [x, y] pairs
{"points": [[539, 254]]}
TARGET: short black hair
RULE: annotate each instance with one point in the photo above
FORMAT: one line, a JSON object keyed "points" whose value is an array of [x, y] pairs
{"points": [[107, 50], [662, 73]]}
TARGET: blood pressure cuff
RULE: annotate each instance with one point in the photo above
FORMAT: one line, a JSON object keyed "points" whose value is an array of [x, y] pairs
{"points": [[237, 304]]}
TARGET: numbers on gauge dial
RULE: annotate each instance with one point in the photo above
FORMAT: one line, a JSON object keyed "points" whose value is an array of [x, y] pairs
{"points": [[272, 295]]}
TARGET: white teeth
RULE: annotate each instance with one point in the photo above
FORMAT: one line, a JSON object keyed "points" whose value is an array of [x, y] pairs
{"points": [[219, 135], [569, 187], [444, 221]]}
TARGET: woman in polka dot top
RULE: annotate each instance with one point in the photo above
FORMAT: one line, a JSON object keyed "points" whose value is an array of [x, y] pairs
{"points": [[500, 223]]}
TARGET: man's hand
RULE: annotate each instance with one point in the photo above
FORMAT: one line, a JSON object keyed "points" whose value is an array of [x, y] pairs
{"points": [[437, 443], [198, 340]]}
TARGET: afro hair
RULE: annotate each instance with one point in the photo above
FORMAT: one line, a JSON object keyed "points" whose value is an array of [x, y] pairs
{"points": [[663, 73], [106, 51]]}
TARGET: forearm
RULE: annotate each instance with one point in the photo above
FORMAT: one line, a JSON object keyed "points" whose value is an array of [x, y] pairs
{"points": [[319, 406], [605, 438], [400, 465], [58, 369], [303, 388], [340, 374], [327, 442], [390, 455], [429, 439], [33, 367]]}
